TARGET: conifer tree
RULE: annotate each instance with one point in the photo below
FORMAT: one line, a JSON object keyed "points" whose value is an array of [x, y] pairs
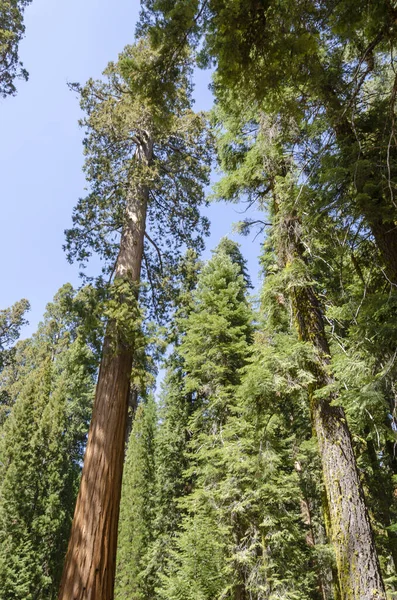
{"points": [[358, 566], [242, 522], [137, 508], [41, 450], [288, 57], [268, 37], [146, 162], [214, 348], [172, 460], [11, 321], [173, 433]]}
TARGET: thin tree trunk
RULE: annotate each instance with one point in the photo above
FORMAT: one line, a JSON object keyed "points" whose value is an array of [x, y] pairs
{"points": [[324, 578], [327, 523], [383, 493], [132, 406], [357, 561], [385, 235], [90, 563]]}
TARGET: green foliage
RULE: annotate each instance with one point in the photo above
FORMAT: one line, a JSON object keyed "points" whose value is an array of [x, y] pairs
{"points": [[41, 448], [172, 460], [12, 30], [218, 327], [242, 530], [198, 563], [216, 334], [11, 321], [137, 508], [222, 492], [129, 108]]}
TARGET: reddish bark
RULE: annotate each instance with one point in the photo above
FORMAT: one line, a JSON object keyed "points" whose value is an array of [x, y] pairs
{"points": [[89, 568]]}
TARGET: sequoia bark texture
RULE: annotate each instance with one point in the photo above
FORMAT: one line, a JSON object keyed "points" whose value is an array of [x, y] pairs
{"points": [[90, 563], [357, 561]]}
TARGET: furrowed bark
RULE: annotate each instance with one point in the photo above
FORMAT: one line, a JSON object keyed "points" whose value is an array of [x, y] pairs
{"points": [[89, 568], [357, 561]]}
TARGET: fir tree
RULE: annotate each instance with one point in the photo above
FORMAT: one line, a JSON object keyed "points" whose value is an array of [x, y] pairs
{"points": [[214, 348], [173, 432], [329, 421], [137, 509]]}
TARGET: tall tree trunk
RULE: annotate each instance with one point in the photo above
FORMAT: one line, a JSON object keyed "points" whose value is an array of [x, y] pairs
{"points": [[384, 229], [90, 563], [357, 561]]}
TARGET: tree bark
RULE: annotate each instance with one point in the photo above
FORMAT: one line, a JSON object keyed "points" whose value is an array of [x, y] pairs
{"points": [[89, 568], [356, 557], [384, 230]]}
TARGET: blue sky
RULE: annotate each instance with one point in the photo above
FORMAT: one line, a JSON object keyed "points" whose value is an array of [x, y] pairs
{"points": [[41, 152]]}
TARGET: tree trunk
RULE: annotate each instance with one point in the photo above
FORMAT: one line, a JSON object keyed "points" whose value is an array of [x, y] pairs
{"points": [[382, 489], [357, 561], [385, 235], [132, 406], [384, 230], [324, 576], [90, 563]]}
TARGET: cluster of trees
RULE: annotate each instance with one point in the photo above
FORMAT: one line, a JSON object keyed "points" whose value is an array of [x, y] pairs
{"points": [[268, 467]]}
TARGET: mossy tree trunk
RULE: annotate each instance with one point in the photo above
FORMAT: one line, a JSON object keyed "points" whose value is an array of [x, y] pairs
{"points": [[357, 561], [89, 568]]}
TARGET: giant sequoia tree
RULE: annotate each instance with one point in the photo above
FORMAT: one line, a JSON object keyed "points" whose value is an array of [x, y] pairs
{"points": [[146, 162]]}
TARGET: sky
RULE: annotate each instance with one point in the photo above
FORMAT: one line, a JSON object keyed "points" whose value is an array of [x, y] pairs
{"points": [[41, 152]]}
